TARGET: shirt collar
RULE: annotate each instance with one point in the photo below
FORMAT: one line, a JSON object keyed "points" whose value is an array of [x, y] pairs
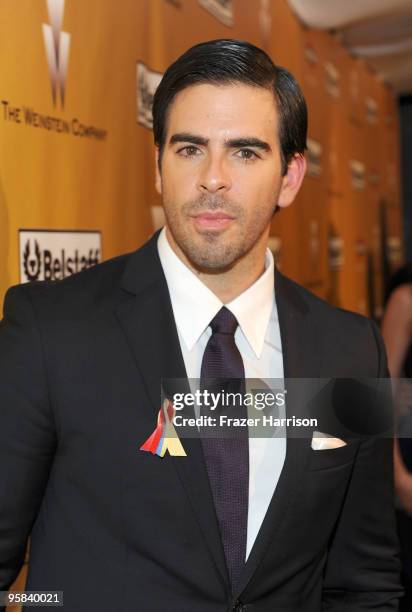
{"points": [[194, 305]]}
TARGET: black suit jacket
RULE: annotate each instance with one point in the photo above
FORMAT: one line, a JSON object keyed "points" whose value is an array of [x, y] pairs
{"points": [[116, 528]]}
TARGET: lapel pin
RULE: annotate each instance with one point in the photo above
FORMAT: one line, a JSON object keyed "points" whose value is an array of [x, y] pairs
{"points": [[164, 438]]}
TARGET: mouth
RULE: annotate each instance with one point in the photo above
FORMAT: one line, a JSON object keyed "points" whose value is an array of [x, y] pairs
{"points": [[212, 220]]}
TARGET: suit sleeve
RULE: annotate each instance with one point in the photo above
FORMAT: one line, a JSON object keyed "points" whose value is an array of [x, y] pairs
{"points": [[363, 567], [27, 430]]}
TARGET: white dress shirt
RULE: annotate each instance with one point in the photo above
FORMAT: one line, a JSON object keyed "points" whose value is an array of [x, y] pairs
{"points": [[258, 340]]}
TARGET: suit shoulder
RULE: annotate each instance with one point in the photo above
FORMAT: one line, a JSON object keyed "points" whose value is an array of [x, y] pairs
{"points": [[329, 314], [76, 290], [349, 342]]}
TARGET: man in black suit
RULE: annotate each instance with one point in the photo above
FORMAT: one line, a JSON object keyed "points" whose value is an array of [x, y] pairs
{"points": [[256, 525]]}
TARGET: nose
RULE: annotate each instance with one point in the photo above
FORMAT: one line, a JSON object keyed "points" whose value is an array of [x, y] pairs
{"points": [[214, 175]]}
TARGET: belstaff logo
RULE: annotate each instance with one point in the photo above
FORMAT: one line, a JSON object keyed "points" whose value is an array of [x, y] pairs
{"points": [[55, 254], [57, 45], [32, 260]]}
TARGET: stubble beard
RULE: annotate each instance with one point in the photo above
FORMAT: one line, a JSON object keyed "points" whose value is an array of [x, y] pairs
{"points": [[213, 251]]}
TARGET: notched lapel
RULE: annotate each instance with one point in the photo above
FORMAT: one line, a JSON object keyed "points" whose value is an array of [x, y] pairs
{"points": [[146, 318], [152, 337], [301, 359], [299, 331]]}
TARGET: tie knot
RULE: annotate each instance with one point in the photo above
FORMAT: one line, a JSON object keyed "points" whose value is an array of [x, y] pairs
{"points": [[224, 322]]}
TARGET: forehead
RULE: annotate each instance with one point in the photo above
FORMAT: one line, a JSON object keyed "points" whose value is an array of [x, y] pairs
{"points": [[214, 110]]}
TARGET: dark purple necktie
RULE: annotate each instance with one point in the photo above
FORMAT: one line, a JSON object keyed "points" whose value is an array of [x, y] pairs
{"points": [[227, 458]]}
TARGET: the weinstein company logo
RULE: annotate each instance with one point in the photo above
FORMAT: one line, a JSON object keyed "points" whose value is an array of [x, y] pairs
{"points": [[57, 45]]}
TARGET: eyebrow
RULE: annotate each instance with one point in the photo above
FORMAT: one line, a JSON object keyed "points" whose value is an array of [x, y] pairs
{"points": [[232, 143]]}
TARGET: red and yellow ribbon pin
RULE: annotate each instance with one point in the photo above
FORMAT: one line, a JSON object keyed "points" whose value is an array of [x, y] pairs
{"points": [[164, 438]]}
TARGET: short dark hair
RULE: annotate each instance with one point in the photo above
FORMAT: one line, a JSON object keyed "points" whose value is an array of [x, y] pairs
{"points": [[228, 61]]}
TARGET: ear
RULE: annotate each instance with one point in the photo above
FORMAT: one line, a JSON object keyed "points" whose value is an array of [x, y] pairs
{"points": [[292, 180], [158, 179]]}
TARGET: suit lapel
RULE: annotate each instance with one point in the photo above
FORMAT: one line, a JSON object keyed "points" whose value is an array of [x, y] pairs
{"points": [[301, 356], [146, 317]]}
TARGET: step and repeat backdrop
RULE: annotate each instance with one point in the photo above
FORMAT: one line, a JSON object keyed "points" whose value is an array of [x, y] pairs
{"points": [[77, 157], [76, 151]]}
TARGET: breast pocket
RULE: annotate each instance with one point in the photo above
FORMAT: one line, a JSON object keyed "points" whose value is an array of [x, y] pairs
{"points": [[333, 457]]}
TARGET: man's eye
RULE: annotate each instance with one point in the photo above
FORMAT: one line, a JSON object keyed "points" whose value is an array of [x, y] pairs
{"points": [[189, 151], [247, 154]]}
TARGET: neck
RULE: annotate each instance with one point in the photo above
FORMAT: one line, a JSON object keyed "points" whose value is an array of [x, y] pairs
{"points": [[228, 283]]}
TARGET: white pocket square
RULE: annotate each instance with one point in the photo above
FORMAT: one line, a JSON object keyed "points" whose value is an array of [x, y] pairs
{"points": [[323, 441]]}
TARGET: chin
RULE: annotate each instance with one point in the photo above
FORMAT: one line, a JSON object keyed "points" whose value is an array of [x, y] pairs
{"points": [[213, 262]]}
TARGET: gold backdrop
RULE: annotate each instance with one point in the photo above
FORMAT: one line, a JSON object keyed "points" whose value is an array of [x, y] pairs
{"points": [[86, 162]]}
